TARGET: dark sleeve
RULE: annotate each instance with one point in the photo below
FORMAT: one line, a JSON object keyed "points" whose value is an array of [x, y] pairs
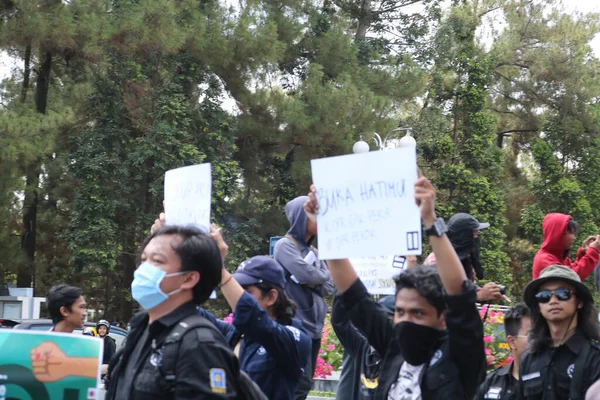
{"points": [[523, 370], [206, 368], [228, 330], [348, 335], [368, 317], [593, 369], [288, 345], [110, 349], [465, 331]]}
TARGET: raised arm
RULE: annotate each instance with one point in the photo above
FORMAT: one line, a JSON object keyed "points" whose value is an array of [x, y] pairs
{"points": [[352, 340], [449, 266], [231, 289]]}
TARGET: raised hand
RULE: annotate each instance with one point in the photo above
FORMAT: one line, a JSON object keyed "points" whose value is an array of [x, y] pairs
{"points": [[587, 242], [216, 235], [311, 206], [489, 292], [425, 198], [158, 223], [596, 243]]}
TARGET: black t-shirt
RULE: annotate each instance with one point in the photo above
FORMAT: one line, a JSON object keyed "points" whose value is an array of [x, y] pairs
{"points": [[499, 385], [128, 374]]}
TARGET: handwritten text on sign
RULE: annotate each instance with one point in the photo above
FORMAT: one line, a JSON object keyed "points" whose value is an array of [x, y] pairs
{"points": [[188, 195], [367, 205], [376, 273]]}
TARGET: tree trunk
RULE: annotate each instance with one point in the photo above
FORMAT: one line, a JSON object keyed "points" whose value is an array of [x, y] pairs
{"points": [[30, 203], [126, 306], [26, 74], [364, 20], [500, 139], [43, 83]]}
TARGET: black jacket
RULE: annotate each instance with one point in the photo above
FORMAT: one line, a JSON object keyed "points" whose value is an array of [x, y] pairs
{"points": [[499, 385], [456, 368], [202, 352], [547, 374], [361, 363], [110, 348]]}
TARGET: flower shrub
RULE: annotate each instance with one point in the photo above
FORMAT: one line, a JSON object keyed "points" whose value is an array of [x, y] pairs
{"points": [[330, 353], [494, 339]]}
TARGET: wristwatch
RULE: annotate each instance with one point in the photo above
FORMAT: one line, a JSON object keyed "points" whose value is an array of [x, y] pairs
{"points": [[437, 229]]}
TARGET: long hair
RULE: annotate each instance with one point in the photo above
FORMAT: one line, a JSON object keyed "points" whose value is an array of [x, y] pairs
{"points": [[284, 308], [587, 323]]}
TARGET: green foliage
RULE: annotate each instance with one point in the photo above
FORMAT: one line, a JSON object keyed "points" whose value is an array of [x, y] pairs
{"points": [[508, 131]]}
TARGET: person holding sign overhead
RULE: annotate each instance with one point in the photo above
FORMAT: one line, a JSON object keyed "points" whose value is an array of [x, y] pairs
{"points": [[308, 280], [433, 348]]}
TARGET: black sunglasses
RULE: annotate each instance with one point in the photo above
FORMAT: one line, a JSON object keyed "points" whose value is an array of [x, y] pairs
{"points": [[561, 294]]}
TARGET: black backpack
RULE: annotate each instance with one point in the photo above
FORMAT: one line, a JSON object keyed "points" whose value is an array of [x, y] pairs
{"points": [[248, 388]]}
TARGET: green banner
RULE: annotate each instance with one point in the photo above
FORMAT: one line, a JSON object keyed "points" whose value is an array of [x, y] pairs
{"points": [[49, 366]]}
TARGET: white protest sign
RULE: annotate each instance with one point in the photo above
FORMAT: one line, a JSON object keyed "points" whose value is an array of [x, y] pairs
{"points": [[367, 204], [376, 273], [188, 196]]}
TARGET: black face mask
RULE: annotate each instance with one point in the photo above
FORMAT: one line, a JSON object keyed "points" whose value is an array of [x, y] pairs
{"points": [[475, 262], [417, 342]]}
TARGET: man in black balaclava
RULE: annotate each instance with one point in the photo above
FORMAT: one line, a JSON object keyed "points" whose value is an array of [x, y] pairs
{"points": [[463, 232]]}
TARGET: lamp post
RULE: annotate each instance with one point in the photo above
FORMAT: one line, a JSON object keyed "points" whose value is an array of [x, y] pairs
{"points": [[363, 147]]}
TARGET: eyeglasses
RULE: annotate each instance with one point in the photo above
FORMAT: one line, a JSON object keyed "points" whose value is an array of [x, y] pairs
{"points": [[561, 294]]}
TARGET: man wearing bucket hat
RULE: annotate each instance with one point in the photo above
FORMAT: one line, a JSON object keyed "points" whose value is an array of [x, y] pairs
{"points": [[563, 360]]}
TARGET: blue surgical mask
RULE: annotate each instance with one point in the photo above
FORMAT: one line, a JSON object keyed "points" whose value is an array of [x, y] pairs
{"points": [[145, 287]]}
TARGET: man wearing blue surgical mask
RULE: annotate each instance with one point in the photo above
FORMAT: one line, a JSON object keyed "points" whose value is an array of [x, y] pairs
{"points": [[179, 270]]}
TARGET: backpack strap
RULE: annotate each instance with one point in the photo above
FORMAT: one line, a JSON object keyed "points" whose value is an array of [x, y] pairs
{"points": [[168, 366], [579, 372]]}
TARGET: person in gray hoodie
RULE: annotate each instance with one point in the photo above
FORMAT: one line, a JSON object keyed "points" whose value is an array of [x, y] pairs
{"points": [[308, 280]]}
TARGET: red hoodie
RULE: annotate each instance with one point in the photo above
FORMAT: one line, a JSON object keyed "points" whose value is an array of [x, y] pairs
{"points": [[553, 249]]}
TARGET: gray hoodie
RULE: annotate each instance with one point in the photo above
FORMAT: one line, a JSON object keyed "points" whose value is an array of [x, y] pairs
{"points": [[307, 283]]}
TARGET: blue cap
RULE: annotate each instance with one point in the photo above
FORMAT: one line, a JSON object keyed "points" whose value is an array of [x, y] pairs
{"points": [[389, 304], [260, 269]]}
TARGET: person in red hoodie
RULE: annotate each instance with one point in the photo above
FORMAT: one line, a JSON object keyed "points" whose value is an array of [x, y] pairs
{"points": [[559, 236]]}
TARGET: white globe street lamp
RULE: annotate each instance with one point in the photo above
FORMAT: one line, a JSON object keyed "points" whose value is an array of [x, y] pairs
{"points": [[360, 147], [406, 141]]}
